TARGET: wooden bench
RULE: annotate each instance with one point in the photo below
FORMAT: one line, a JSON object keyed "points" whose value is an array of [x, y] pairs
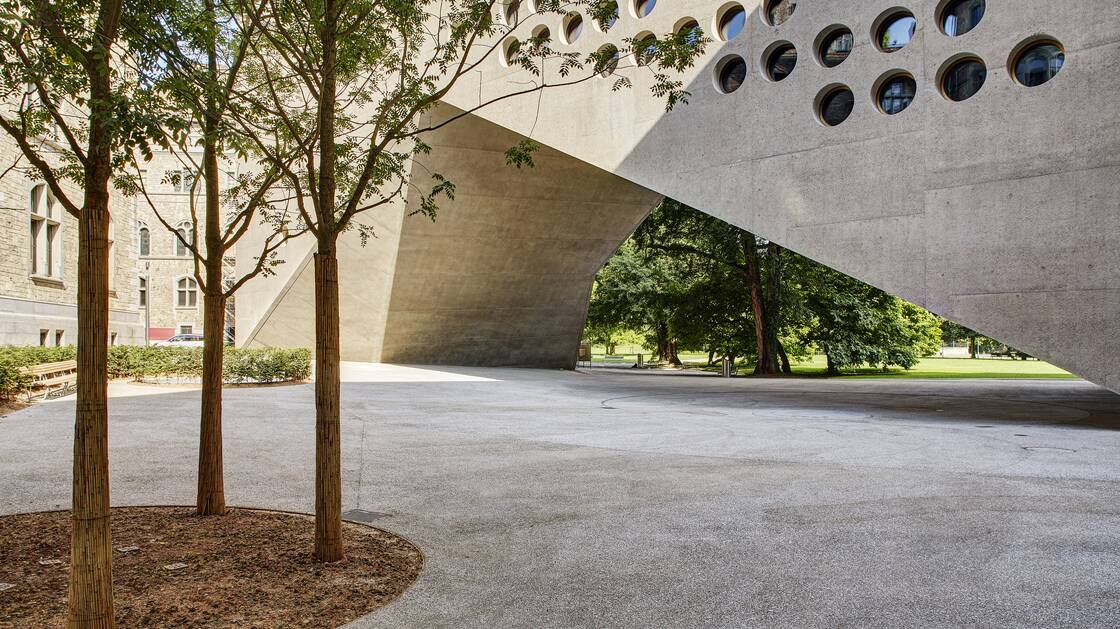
{"points": [[52, 379]]}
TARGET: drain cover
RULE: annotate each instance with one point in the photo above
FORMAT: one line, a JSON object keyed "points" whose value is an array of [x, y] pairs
{"points": [[361, 515], [1049, 449]]}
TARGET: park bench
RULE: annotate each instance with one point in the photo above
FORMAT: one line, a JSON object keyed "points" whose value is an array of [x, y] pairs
{"points": [[52, 379]]}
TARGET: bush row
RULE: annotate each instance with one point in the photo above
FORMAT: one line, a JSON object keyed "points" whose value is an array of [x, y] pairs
{"points": [[139, 362]]}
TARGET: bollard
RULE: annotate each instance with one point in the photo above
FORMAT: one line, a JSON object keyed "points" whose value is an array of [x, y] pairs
{"points": [[726, 367], [641, 361]]}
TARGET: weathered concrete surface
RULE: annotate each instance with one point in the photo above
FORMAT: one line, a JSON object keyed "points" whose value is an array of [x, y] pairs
{"points": [[558, 499], [999, 212]]}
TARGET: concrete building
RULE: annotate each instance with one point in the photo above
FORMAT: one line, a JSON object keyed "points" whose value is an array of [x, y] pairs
{"points": [[964, 155]]}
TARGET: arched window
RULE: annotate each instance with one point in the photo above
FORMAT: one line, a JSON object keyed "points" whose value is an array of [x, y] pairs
{"points": [[145, 240], [186, 293], [46, 230], [183, 234]]}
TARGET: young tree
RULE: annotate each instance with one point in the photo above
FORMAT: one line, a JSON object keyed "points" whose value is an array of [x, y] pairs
{"points": [[349, 84], [202, 50], [66, 73]]}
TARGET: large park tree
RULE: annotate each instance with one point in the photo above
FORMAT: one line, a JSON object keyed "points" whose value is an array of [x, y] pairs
{"points": [[348, 85], [73, 107]]}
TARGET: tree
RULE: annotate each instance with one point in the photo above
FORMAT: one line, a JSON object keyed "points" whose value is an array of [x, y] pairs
{"points": [[66, 73], [675, 229], [368, 72], [855, 324], [201, 59]]}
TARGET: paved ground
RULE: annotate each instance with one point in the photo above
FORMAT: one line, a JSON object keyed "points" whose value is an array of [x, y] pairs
{"points": [[616, 499]]}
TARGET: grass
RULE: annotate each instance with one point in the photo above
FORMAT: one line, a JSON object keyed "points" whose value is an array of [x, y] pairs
{"points": [[927, 368]]}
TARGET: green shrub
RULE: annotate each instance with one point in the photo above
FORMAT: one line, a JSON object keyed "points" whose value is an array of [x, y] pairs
{"points": [[138, 362]]}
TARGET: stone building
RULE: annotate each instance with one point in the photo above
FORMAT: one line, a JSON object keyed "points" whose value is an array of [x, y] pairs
{"points": [[154, 293], [38, 275]]}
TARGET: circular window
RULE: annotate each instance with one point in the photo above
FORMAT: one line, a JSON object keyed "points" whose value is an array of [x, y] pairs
{"points": [[835, 105], [689, 31], [607, 15], [512, 7], [961, 16], [731, 73], [573, 27], [542, 33], [510, 49], [896, 93], [781, 61], [895, 31], [778, 11], [645, 48], [643, 8], [1039, 63], [964, 79], [731, 23], [835, 46], [606, 59]]}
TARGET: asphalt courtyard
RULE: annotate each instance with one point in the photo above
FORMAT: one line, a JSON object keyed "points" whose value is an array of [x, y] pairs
{"points": [[622, 499]]}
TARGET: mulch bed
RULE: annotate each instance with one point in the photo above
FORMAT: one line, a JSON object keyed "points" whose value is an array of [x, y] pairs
{"points": [[245, 569]]}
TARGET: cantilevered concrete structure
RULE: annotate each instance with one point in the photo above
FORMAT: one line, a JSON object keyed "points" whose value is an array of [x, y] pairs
{"points": [[1000, 210]]}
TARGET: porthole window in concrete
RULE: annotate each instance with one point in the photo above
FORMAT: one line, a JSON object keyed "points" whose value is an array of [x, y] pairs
{"points": [[573, 27], [645, 48], [895, 31], [691, 31], [961, 16], [510, 49], [731, 73], [781, 61], [609, 16], [542, 32], [778, 11], [512, 8], [731, 22], [836, 104], [1039, 63], [896, 93], [835, 46], [607, 59], [643, 8], [964, 79]]}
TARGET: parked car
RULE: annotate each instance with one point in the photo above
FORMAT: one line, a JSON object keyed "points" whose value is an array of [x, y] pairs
{"points": [[182, 340]]}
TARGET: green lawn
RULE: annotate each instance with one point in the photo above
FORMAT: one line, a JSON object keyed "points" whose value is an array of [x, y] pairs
{"points": [[949, 368], [926, 368]]}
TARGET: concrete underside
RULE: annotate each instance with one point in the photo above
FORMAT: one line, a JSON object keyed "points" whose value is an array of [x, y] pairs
{"points": [[559, 499]]}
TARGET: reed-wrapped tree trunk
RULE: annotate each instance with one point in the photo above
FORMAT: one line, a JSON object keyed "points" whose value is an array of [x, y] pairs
{"points": [[91, 560], [328, 448], [211, 498]]}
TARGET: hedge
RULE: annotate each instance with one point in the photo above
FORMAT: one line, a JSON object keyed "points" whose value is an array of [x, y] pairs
{"points": [[139, 362]]}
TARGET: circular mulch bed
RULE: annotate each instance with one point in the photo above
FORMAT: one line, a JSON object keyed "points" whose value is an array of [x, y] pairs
{"points": [[245, 569]]}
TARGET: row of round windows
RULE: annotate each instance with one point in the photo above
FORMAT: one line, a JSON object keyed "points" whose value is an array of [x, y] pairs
{"points": [[960, 79]]}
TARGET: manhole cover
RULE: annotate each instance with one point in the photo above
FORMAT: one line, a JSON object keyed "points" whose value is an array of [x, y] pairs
{"points": [[361, 515]]}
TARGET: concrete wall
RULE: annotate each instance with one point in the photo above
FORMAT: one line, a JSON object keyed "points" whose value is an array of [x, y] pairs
{"points": [[1000, 212]]}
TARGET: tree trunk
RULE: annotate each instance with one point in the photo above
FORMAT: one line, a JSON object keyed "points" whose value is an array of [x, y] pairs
{"points": [[972, 347], [674, 357], [786, 368], [211, 498], [91, 559], [328, 449], [832, 370], [767, 360]]}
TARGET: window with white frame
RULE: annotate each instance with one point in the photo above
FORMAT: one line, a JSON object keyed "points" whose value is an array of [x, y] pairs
{"points": [[145, 238], [181, 180], [186, 293], [184, 233], [46, 233], [143, 291]]}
